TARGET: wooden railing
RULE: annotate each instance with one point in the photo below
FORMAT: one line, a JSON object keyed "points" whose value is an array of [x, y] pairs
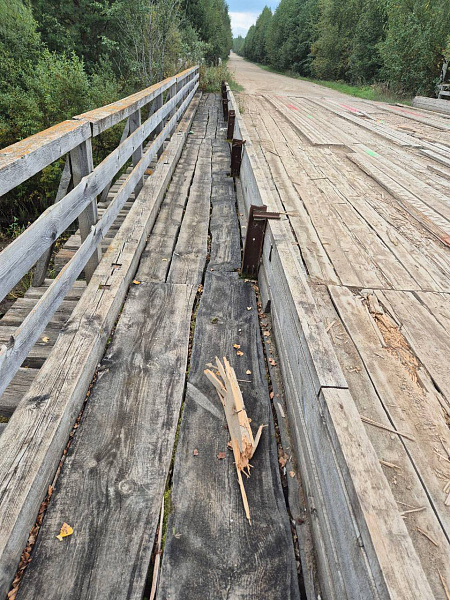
{"points": [[167, 102]]}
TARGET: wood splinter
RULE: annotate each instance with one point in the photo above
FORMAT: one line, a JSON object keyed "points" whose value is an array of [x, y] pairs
{"points": [[242, 441]]}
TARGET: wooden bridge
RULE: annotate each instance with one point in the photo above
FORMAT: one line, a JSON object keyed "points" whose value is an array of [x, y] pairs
{"points": [[307, 241]]}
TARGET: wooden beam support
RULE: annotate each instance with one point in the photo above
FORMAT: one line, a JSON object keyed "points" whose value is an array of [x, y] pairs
{"points": [[82, 165]]}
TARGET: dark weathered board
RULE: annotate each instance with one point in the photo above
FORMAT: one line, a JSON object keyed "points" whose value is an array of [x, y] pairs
{"points": [[211, 551], [225, 242], [189, 256], [112, 484]]}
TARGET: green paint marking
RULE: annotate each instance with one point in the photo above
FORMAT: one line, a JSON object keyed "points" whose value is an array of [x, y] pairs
{"points": [[372, 153]]}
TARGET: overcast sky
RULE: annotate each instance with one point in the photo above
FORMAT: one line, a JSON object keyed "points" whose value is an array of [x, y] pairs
{"points": [[243, 13]]}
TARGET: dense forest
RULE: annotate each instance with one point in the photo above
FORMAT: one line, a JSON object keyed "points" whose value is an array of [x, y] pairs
{"points": [[400, 44], [59, 58]]}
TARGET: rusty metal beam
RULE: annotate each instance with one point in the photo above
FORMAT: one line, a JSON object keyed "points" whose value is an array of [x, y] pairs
{"points": [[231, 121], [254, 240], [236, 157]]}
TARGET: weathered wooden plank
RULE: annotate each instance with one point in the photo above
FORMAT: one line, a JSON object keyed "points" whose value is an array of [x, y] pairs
{"points": [[11, 358], [135, 123], [225, 253], [136, 400], [22, 309], [390, 563], [437, 157], [41, 267], [211, 551], [75, 293], [82, 165], [407, 484], [306, 125], [428, 338], [379, 129], [31, 448], [438, 305], [24, 159], [16, 390], [192, 245], [17, 258], [42, 348], [429, 218], [396, 387], [432, 104], [374, 506]]}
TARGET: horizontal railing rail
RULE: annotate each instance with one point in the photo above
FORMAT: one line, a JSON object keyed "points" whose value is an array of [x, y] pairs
{"points": [[21, 161]]}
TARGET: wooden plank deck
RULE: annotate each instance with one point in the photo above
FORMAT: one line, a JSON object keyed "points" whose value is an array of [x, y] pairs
{"points": [[371, 223], [113, 481], [355, 276]]}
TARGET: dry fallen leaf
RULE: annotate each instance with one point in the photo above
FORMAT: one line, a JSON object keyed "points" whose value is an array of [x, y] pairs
{"points": [[66, 530], [292, 474], [237, 346], [271, 395], [221, 455], [195, 453], [239, 353], [136, 282], [249, 308], [272, 362], [283, 460], [248, 372], [267, 333], [45, 339]]}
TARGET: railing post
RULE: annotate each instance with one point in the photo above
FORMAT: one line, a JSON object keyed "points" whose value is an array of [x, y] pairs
{"points": [[135, 123], [157, 104], [40, 270], [172, 94], [82, 164]]}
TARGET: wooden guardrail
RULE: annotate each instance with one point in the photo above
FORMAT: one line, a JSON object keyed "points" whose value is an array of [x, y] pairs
{"points": [[167, 101], [362, 546], [32, 444]]}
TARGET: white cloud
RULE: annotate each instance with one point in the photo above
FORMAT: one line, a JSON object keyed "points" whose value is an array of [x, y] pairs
{"points": [[242, 21]]}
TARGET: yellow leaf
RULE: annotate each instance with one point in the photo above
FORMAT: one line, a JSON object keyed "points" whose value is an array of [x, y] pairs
{"points": [[45, 339], [66, 530], [239, 353], [237, 346], [136, 282], [248, 372]]}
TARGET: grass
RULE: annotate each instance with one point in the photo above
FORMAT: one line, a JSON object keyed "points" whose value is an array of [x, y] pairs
{"points": [[211, 78], [376, 92]]}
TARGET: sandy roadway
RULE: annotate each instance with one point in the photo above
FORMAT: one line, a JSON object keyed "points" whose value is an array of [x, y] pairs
{"points": [[255, 80]]}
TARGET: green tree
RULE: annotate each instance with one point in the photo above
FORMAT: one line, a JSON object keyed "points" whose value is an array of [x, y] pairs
{"points": [[365, 59], [414, 47], [256, 48], [291, 35], [238, 44]]}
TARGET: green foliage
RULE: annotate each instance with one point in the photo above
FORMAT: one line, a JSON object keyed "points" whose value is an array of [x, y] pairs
{"points": [[59, 58], [211, 20], [291, 33], [238, 44], [400, 44], [415, 43], [211, 79], [256, 43]]}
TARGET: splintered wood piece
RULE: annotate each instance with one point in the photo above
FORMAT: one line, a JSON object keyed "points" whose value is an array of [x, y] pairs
{"points": [[242, 441]]}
